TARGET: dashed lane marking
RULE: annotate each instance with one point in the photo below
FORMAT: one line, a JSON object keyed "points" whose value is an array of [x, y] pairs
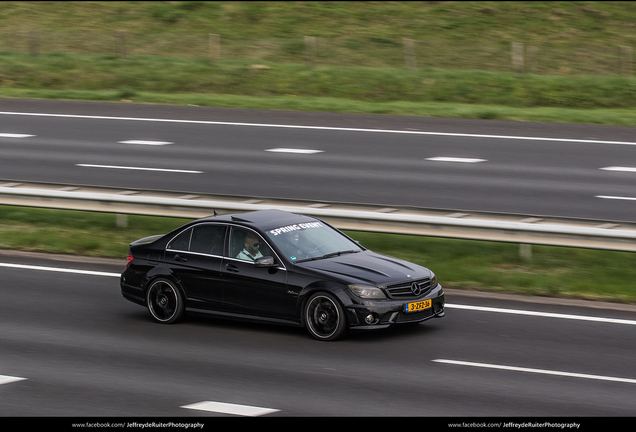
{"points": [[619, 168], [5, 379], [455, 159], [15, 135], [140, 168], [142, 142], [227, 408], [294, 150]]}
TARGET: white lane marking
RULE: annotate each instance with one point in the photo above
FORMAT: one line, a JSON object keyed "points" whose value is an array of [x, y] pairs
{"points": [[59, 270], [226, 408], [538, 371], [543, 314], [455, 159], [411, 132], [14, 135], [140, 168], [616, 197], [142, 142], [619, 168], [293, 150], [5, 379]]}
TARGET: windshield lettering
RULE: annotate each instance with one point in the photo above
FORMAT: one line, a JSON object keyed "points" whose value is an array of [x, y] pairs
{"points": [[295, 227]]}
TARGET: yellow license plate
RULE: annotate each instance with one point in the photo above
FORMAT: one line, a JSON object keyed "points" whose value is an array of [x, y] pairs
{"points": [[418, 306]]}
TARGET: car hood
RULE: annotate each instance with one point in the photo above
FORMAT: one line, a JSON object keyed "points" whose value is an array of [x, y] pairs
{"points": [[367, 267]]}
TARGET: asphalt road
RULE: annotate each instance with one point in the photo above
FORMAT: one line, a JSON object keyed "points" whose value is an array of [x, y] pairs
{"points": [[512, 167], [71, 346]]}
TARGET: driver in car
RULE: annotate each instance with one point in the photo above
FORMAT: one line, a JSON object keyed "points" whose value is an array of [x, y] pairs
{"points": [[251, 251]]}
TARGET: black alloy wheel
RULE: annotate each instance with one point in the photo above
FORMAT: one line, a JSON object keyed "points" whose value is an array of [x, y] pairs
{"points": [[324, 317], [164, 301]]}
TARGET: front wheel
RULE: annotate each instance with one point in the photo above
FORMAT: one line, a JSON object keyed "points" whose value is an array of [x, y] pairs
{"points": [[164, 301], [324, 317]]}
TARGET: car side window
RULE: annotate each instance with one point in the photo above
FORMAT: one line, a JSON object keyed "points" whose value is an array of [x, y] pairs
{"points": [[182, 241], [208, 239], [247, 245]]}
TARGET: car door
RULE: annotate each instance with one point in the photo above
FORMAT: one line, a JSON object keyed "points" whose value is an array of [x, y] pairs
{"points": [[194, 258], [252, 290]]}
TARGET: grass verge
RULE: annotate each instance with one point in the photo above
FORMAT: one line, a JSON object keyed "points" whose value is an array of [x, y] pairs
{"points": [[607, 100], [464, 264]]}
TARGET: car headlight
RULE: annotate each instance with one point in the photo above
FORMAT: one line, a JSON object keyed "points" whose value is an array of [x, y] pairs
{"points": [[367, 292], [433, 281]]}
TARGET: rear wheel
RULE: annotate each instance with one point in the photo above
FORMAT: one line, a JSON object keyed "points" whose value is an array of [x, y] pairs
{"points": [[164, 301], [324, 317]]}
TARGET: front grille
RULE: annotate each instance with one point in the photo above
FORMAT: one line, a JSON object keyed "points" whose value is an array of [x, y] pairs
{"points": [[404, 290]]}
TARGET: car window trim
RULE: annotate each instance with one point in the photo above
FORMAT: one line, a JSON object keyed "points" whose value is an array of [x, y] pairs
{"points": [[226, 242]]}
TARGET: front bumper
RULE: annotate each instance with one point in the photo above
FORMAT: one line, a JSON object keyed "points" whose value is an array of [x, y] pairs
{"points": [[382, 314]]}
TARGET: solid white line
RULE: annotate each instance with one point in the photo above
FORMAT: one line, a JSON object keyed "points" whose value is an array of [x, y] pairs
{"points": [[292, 150], [59, 270], [14, 135], [410, 132], [455, 159], [140, 168], [538, 371], [452, 306], [142, 142], [5, 379], [543, 314], [226, 408], [618, 168]]}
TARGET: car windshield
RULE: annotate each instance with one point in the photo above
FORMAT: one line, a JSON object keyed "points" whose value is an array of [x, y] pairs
{"points": [[311, 240]]}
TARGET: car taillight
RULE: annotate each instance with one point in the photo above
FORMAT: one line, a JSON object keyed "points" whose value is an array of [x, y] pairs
{"points": [[129, 260]]}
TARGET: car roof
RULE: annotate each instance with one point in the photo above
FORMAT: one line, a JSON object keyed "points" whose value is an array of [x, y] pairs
{"points": [[263, 219]]}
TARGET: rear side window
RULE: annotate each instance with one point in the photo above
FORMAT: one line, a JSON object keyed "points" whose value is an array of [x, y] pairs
{"points": [[205, 239], [208, 239], [182, 241]]}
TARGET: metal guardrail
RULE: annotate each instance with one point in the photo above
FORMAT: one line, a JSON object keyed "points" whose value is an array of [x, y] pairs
{"points": [[522, 229]]}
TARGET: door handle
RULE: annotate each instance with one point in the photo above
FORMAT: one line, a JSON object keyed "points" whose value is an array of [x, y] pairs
{"points": [[232, 268], [180, 258]]}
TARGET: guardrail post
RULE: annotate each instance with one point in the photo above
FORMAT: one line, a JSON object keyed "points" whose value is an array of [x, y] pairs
{"points": [[525, 251], [121, 220], [517, 57]]}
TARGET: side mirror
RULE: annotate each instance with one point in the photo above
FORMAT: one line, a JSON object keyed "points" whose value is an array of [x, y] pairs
{"points": [[266, 261]]}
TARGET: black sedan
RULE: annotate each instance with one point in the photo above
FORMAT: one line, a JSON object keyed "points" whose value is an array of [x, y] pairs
{"points": [[277, 267]]}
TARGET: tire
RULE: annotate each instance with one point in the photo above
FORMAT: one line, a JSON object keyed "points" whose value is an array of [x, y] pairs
{"points": [[324, 317], [164, 301]]}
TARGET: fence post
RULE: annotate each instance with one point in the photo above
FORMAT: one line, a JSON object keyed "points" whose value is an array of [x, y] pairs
{"points": [[625, 54], [310, 51], [409, 54], [120, 44], [517, 57], [214, 47], [34, 43]]}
